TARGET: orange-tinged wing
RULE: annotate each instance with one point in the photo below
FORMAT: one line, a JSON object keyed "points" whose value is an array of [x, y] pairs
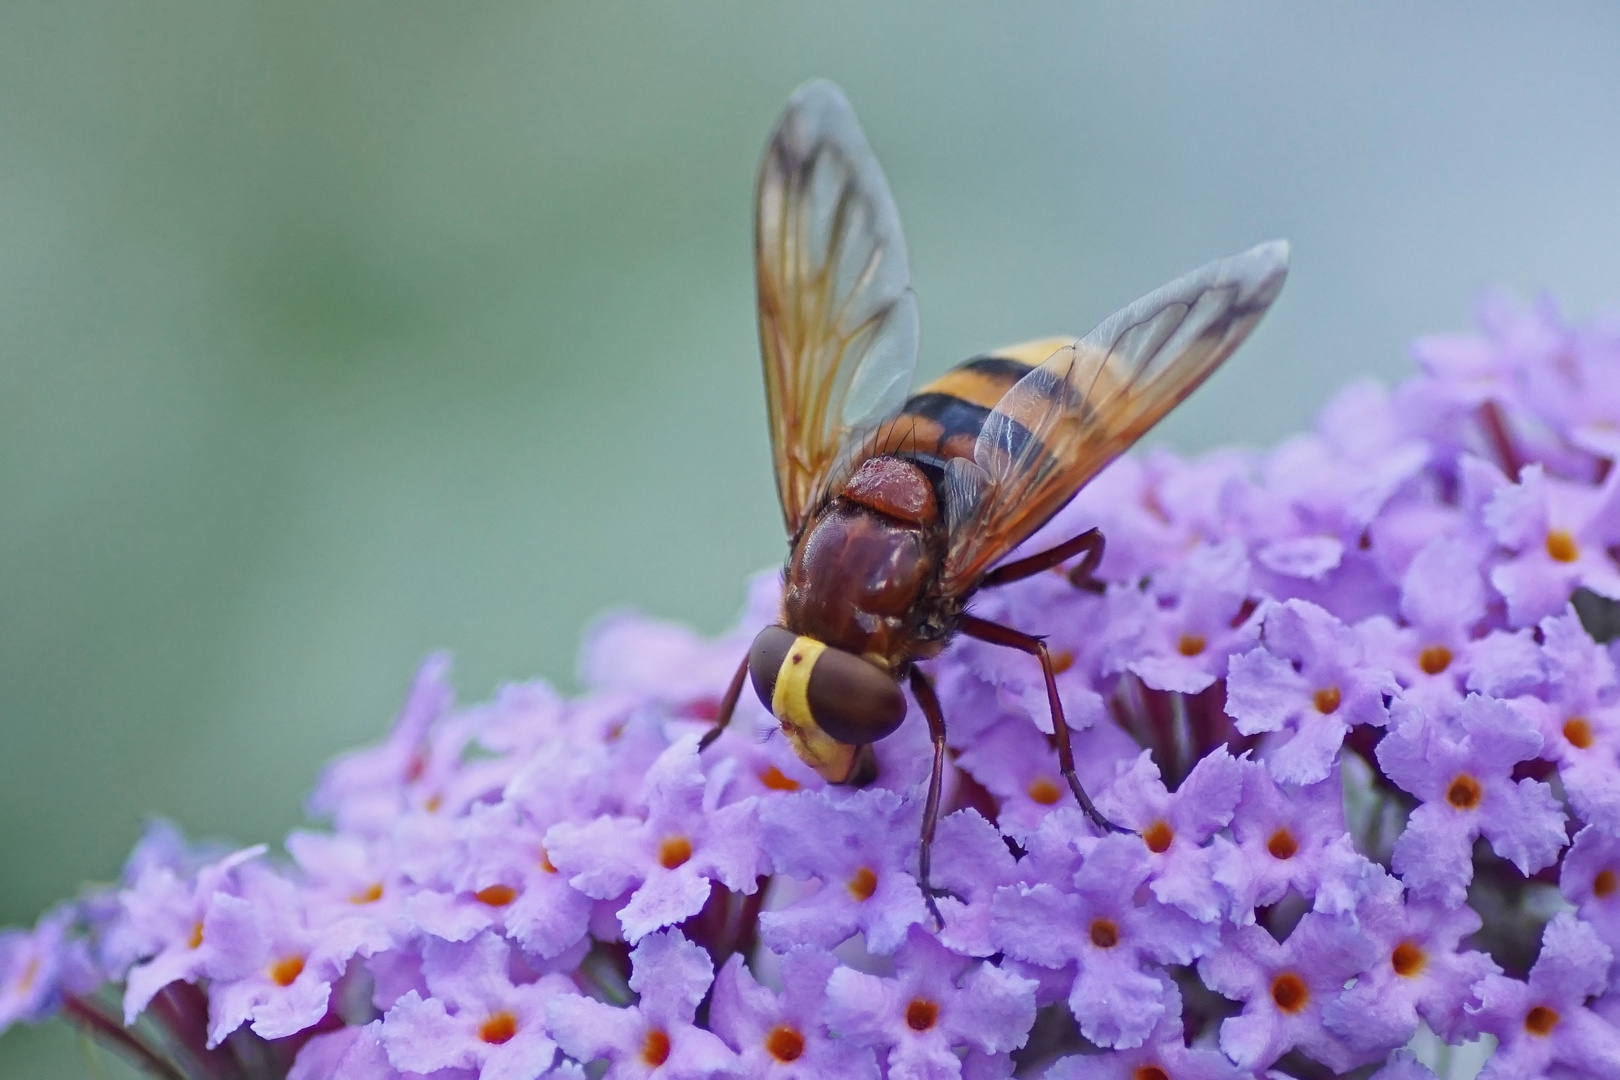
{"points": [[1086, 404], [837, 317]]}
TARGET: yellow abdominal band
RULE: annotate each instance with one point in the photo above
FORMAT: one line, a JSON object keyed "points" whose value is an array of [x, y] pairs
{"points": [[790, 701]]}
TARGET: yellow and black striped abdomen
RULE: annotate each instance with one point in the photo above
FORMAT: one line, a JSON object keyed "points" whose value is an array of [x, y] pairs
{"points": [[943, 419]]}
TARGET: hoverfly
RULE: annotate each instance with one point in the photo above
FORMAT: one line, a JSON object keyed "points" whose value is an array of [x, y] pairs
{"points": [[899, 508]]}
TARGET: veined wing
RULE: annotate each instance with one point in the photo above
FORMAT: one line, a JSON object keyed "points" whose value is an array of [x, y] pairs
{"points": [[837, 317], [1086, 404]]}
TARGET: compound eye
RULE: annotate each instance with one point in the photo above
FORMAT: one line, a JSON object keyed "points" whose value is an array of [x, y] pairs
{"points": [[849, 699], [765, 658], [853, 700]]}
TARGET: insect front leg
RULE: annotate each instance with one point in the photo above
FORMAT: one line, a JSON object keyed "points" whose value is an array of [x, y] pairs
{"points": [[923, 689], [1088, 545], [996, 634], [728, 706]]}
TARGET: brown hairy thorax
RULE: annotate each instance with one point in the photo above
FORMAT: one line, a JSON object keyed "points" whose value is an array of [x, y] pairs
{"points": [[858, 573]]}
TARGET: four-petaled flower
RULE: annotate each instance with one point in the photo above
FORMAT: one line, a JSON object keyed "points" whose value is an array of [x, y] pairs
{"points": [[1460, 764]]}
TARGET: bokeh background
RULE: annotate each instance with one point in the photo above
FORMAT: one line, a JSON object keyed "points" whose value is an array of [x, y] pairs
{"points": [[331, 334]]}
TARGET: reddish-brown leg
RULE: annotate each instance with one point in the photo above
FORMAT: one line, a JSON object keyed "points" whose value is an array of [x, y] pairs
{"points": [[728, 706], [1088, 545], [923, 689], [996, 634]]}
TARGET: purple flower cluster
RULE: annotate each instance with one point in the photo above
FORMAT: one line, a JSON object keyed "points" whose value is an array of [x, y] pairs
{"points": [[1352, 698]]}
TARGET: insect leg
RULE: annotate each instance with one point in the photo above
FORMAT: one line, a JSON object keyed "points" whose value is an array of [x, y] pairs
{"points": [[996, 634], [1088, 545], [924, 691], [728, 706]]}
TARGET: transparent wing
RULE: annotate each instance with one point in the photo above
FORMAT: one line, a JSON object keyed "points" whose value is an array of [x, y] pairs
{"points": [[837, 317], [1085, 405]]}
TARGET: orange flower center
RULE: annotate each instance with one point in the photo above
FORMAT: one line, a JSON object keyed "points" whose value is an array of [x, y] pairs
{"points": [[1434, 659], [1190, 644], [1044, 791], [1561, 546], [921, 1014], [1578, 732], [1149, 1072], [1464, 792], [30, 975], [287, 969], [545, 862], [496, 895], [1327, 700], [655, 1049], [1104, 934], [863, 884], [1540, 1020], [1282, 845], [674, 852], [1157, 837], [1408, 959], [196, 935], [1062, 661], [1603, 885], [1289, 992], [777, 780], [498, 1028], [370, 895], [784, 1044]]}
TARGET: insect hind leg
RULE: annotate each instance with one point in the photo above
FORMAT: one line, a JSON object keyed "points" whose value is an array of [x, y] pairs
{"points": [[923, 689], [1088, 545], [1006, 636]]}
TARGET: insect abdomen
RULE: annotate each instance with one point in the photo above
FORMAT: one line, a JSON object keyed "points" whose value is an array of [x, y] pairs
{"points": [[943, 419]]}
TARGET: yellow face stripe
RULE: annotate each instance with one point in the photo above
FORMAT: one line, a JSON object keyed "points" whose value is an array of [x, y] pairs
{"points": [[790, 701]]}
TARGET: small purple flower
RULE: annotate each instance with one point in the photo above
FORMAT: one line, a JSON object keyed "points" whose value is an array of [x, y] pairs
{"points": [[349, 1053], [1559, 534], [860, 848], [971, 862], [654, 1037], [477, 1018], [347, 877], [1460, 764], [1286, 837], [284, 967], [1196, 620], [502, 878], [187, 931], [1311, 680], [785, 1035], [936, 1003], [1165, 1053], [363, 791], [1019, 766], [1099, 923], [1544, 1023], [670, 857], [1419, 971], [1284, 987], [1437, 653], [1591, 881], [1077, 627], [1174, 827], [34, 965], [1579, 719]]}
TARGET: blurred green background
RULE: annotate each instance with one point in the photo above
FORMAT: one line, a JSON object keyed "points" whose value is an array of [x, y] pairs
{"points": [[333, 333]]}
